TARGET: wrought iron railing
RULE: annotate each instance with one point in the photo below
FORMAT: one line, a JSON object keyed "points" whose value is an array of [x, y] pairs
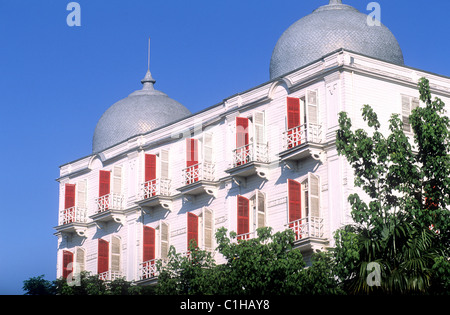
{"points": [[252, 152], [306, 133], [155, 187], [72, 215], [200, 171], [110, 201], [307, 227]]}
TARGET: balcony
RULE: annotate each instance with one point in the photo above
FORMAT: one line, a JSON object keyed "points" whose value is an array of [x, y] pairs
{"points": [[109, 208], [309, 233], [72, 220], [249, 160], [148, 270], [302, 142], [155, 193], [110, 275], [199, 179]]}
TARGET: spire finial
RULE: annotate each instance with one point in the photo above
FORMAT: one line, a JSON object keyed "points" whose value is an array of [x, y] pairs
{"points": [[148, 54], [148, 80], [335, 2]]}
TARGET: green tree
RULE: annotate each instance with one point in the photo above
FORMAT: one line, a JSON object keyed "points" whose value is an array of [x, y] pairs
{"points": [[265, 265], [402, 223], [38, 286]]}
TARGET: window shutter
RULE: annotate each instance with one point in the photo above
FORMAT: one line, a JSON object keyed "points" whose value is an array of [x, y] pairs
{"points": [[117, 180], [406, 111], [207, 229], [104, 183], [115, 253], [150, 167], [242, 132], [164, 161], [67, 259], [207, 148], [149, 244], [80, 260], [164, 239], [259, 128], [82, 194], [191, 152], [313, 195], [192, 229], [243, 222], [69, 198], [295, 205], [103, 256], [311, 100], [293, 112], [261, 209]]}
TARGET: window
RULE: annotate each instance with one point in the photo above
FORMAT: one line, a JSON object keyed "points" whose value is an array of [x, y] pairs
{"points": [[163, 240], [302, 119], [104, 183], [192, 229], [67, 263], [73, 263], [243, 219], [103, 256], [258, 206], [148, 266], [409, 103], [304, 207], [192, 167], [207, 228]]}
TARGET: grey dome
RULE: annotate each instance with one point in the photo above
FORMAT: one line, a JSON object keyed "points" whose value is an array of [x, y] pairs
{"points": [[142, 111], [330, 28]]}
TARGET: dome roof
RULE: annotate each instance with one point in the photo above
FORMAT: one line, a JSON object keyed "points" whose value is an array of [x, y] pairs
{"points": [[327, 29], [142, 111]]}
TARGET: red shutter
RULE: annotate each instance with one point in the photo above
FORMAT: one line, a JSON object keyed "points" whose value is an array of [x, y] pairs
{"points": [[150, 167], [69, 200], [192, 160], [242, 137], [293, 112], [192, 228], [104, 183], [103, 256], [191, 152], [295, 204], [149, 244], [243, 222], [67, 259]]}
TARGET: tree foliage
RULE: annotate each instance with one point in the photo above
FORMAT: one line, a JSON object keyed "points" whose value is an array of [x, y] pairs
{"points": [[402, 221]]}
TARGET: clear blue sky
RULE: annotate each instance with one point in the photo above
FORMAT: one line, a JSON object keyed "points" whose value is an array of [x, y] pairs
{"points": [[56, 81]]}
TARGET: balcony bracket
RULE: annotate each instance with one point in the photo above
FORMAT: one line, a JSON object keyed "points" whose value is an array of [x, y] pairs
{"points": [[262, 172], [319, 155]]}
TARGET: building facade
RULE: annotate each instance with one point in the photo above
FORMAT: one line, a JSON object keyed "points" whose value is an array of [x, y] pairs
{"points": [[263, 157]]}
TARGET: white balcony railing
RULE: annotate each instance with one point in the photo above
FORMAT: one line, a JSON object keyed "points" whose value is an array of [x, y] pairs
{"points": [[252, 152], [109, 202], [148, 269], [72, 215], [110, 275], [245, 236], [306, 133], [307, 227], [155, 187], [200, 171]]}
